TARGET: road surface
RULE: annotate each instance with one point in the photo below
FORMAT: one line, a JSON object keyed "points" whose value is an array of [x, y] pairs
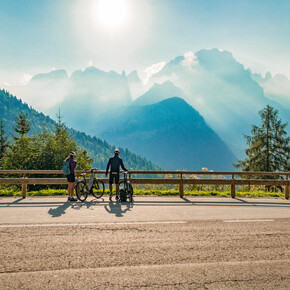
{"points": [[154, 243]]}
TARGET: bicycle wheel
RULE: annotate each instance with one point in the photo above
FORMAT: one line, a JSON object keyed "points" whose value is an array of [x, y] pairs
{"points": [[129, 190], [98, 188], [81, 190]]}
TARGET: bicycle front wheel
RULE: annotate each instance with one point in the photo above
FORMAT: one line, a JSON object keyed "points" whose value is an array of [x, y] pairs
{"points": [[98, 188], [81, 190]]}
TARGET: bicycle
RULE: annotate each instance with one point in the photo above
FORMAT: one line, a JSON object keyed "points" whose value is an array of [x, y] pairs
{"points": [[95, 186], [126, 186]]}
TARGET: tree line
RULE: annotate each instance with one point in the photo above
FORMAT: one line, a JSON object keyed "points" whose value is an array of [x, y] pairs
{"points": [[98, 149], [268, 146], [44, 150]]}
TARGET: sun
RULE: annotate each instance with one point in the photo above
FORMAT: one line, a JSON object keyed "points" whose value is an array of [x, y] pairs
{"points": [[112, 12]]}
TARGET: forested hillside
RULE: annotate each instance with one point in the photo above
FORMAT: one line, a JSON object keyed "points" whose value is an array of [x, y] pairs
{"points": [[99, 150], [173, 134]]}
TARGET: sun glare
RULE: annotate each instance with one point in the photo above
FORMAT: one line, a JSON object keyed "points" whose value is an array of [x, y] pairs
{"points": [[112, 12]]}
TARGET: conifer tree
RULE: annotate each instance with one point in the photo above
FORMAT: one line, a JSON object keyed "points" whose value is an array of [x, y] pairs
{"points": [[23, 125], [268, 147], [3, 140]]}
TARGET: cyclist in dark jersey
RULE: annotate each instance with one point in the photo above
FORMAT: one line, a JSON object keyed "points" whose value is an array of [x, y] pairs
{"points": [[114, 163]]}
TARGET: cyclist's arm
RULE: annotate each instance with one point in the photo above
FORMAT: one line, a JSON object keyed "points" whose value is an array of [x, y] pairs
{"points": [[122, 165], [108, 166]]}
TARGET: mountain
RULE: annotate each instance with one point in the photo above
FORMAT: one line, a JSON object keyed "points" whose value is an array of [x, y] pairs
{"points": [[157, 93], [91, 93], [82, 98], [173, 134], [133, 78], [44, 91], [276, 88], [213, 82], [98, 149], [222, 90], [55, 75]]}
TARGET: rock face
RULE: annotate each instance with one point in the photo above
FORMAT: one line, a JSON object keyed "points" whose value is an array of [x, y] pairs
{"points": [[171, 133], [222, 90]]}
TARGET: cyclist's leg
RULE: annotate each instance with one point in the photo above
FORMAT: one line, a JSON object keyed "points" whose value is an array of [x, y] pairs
{"points": [[117, 184], [111, 186]]}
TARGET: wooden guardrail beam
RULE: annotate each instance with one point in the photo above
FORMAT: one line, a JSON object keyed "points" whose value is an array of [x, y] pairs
{"points": [[181, 181], [154, 181], [176, 172]]}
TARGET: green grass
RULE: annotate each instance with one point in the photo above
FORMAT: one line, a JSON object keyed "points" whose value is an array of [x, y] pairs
{"points": [[63, 192]]}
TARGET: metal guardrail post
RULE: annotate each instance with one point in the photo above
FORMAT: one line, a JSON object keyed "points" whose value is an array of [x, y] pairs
{"points": [[233, 188]]}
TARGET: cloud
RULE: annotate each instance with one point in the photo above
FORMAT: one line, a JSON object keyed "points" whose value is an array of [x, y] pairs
{"points": [[25, 79], [189, 59], [153, 69]]}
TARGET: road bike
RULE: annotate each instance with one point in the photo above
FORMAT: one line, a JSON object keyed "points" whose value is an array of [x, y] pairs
{"points": [[126, 186], [94, 186]]}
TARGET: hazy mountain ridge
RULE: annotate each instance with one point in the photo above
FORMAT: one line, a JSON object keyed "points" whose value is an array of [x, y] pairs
{"points": [[276, 88], [226, 94], [171, 133], [222, 90], [98, 149]]}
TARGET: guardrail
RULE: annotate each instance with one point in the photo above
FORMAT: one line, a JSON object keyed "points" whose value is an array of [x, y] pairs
{"points": [[181, 178]]}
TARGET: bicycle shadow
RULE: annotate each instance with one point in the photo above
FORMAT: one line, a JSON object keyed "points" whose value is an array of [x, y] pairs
{"points": [[116, 208], [60, 210], [88, 204]]}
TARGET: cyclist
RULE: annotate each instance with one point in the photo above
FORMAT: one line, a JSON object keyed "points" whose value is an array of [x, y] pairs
{"points": [[71, 177], [114, 163]]}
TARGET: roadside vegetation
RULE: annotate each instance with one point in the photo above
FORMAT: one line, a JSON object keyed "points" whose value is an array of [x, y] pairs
{"points": [[268, 151], [158, 191]]}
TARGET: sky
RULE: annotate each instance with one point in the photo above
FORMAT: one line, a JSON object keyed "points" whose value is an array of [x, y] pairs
{"points": [[38, 36]]}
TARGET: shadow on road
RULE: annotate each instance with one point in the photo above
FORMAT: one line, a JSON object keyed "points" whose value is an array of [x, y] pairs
{"points": [[59, 207], [116, 208], [60, 210]]}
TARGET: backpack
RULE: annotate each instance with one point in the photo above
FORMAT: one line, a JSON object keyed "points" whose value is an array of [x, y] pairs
{"points": [[123, 195], [65, 167]]}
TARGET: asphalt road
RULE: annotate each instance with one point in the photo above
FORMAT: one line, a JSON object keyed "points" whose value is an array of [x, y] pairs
{"points": [[156, 242]]}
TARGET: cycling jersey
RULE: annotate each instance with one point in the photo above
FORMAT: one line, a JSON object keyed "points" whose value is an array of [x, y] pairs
{"points": [[115, 163]]}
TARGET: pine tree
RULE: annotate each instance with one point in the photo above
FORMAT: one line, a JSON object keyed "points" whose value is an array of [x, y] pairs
{"points": [[268, 147], [3, 140], [23, 125]]}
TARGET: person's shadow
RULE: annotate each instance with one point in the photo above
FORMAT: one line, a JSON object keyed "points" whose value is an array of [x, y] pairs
{"points": [[60, 210], [116, 208]]}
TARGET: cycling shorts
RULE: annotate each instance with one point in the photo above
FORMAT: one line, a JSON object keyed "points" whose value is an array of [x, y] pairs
{"points": [[114, 177]]}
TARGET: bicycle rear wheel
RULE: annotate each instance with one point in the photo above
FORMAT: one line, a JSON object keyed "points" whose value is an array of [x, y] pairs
{"points": [[129, 190], [98, 188], [81, 190]]}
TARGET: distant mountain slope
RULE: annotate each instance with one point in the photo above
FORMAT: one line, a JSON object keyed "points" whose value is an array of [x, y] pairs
{"points": [[276, 88], [81, 97], [98, 149], [157, 93], [172, 134], [222, 90]]}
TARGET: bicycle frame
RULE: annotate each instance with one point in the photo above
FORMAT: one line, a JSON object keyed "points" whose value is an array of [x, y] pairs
{"points": [[91, 179]]}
